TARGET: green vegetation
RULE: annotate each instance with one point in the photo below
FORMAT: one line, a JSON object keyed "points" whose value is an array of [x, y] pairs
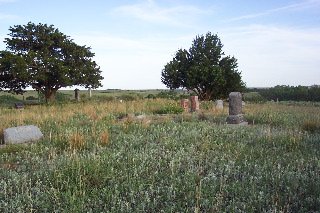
{"points": [[203, 69], [41, 57], [95, 158], [8, 100], [290, 93]]}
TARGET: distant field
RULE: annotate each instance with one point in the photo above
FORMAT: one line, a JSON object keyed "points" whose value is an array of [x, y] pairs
{"points": [[112, 92]]}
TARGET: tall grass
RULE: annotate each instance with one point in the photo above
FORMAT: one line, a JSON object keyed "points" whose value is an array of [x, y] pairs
{"points": [[90, 160]]}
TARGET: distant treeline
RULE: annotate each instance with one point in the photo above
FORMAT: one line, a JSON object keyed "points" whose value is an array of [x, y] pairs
{"points": [[289, 93]]}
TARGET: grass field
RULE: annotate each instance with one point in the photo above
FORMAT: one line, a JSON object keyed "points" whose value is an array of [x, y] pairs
{"points": [[112, 156], [85, 93]]}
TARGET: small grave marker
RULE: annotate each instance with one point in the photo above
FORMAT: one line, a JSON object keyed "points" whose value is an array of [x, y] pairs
{"points": [[90, 92], [185, 104], [19, 105], [76, 94], [219, 104]]}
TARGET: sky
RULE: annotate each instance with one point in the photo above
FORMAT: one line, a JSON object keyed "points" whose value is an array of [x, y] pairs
{"points": [[276, 42]]}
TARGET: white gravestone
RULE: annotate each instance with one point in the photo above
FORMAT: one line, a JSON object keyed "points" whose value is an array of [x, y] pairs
{"points": [[22, 134], [219, 104]]}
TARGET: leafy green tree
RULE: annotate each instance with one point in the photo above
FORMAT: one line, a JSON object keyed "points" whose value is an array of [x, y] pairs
{"points": [[203, 69], [42, 57]]}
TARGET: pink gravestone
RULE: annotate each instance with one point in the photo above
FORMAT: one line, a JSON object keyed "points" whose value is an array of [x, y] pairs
{"points": [[194, 103], [185, 105]]}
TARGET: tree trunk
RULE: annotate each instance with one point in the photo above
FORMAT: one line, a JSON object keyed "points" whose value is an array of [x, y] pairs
{"points": [[50, 95]]}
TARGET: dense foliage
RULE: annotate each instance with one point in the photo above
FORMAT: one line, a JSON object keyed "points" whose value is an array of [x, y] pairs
{"points": [[290, 93], [91, 161], [203, 69], [42, 57]]}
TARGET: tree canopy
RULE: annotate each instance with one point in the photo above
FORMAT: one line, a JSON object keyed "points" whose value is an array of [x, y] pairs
{"points": [[42, 57], [203, 69]]}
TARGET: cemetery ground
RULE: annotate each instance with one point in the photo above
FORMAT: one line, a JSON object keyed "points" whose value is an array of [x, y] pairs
{"points": [[146, 155]]}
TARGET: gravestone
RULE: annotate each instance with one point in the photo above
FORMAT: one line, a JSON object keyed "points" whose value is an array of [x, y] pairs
{"points": [[219, 104], [184, 103], [235, 109], [195, 106], [22, 134], [90, 93], [19, 105], [76, 94]]}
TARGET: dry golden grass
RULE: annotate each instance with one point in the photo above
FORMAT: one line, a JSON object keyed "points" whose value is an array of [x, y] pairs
{"points": [[76, 141], [104, 138]]}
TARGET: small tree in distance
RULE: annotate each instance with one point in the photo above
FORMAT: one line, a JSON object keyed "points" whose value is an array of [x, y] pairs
{"points": [[203, 69], [42, 57]]}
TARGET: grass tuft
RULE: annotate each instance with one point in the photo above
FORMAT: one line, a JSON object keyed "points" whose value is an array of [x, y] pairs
{"points": [[104, 138], [76, 141], [311, 126]]}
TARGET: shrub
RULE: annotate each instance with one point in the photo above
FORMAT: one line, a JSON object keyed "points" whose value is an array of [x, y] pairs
{"points": [[169, 109], [151, 96], [253, 97], [31, 98]]}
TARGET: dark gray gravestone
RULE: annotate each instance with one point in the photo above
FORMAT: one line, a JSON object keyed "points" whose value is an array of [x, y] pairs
{"points": [[19, 105], [22, 134], [76, 94], [235, 103], [235, 109]]}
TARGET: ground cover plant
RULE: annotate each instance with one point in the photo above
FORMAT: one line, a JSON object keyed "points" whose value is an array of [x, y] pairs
{"points": [[103, 156]]}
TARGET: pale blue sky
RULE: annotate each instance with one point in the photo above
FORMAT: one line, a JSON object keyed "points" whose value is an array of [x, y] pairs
{"points": [[275, 42]]}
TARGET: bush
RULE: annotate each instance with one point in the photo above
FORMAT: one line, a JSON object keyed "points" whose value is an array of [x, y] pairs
{"points": [[168, 95], [31, 98], [253, 97], [169, 109], [151, 96]]}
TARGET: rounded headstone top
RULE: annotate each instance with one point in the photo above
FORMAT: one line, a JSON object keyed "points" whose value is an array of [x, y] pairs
{"points": [[235, 95], [219, 104]]}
